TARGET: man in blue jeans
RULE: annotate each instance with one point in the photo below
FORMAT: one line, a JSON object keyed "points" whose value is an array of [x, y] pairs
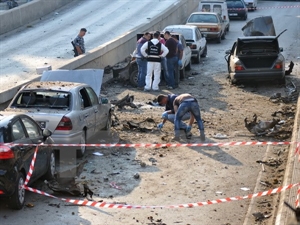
{"points": [[172, 59], [169, 113], [141, 60], [187, 103]]}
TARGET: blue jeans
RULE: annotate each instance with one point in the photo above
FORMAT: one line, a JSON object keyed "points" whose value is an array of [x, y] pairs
{"points": [[184, 107], [171, 63], [165, 69], [171, 118], [142, 71]]}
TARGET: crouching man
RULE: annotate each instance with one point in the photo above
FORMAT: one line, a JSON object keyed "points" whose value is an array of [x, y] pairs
{"points": [[169, 113], [183, 104]]}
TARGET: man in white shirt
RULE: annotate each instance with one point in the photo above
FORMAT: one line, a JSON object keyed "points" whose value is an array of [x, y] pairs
{"points": [[153, 50]]}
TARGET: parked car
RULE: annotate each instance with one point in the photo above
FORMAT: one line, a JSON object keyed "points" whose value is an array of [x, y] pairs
{"points": [[193, 38], [218, 6], [186, 59], [256, 57], [15, 159], [210, 24], [72, 111], [237, 9], [251, 4]]}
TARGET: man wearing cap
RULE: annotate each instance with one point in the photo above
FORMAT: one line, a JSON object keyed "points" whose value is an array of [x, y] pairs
{"points": [[79, 42]]}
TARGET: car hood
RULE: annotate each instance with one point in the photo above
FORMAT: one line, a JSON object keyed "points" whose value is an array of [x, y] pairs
{"points": [[92, 77], [50, 116], [260, 26]]}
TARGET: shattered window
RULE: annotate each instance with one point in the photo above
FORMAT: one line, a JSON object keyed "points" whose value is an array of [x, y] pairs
{"points": [[42, 99]]}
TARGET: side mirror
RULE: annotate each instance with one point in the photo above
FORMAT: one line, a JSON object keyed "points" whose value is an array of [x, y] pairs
{"points": [[281, 49], [227, 52], [46, 132]]}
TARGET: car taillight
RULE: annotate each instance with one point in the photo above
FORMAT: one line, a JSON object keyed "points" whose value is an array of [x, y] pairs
{"points": [[239, 67], [278, 66], [6, 153], [193, 46], [1, 192], [64, 124], [214, 29]]}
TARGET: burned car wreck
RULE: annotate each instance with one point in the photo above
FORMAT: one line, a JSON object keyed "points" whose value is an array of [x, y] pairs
{"points": [[257, 55]]}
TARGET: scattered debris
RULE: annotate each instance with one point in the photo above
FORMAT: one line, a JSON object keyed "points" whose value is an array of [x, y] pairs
{"points": [[66, 188], [260, 216], [107, 69], [290, 70], [291, 94], [296, 219], [87, 191], [29, 205], [245, 189], [145, 126], [55, 205], [114, 185], [143, 164], [126, 101], [261, 127], [97, 153], [136, 176], [220, 136]]}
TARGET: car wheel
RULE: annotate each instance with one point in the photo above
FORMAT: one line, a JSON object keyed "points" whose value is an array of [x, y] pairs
{"points": [[188, 66], [133, 78], [81, 151], [17, 200], [281, 81], [197, 59], [227, 28], [245, 17], [204, 54], [219, 39], [223, 35], [108, 123], [49, 175]]}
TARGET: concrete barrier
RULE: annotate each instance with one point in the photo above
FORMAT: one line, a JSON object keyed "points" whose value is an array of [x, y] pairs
{"points": [[120, 48], [26, 13]]}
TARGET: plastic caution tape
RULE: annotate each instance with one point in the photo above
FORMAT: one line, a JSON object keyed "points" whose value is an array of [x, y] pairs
{"points": [[31, 167], [269, 7], [187, 205], [149, 145]]}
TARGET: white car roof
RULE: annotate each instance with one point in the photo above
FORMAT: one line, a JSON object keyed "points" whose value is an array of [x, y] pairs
{"points": [[181, 26]]}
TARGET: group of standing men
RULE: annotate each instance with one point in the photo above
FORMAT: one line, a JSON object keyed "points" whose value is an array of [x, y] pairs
{"points": [[156, 53]]}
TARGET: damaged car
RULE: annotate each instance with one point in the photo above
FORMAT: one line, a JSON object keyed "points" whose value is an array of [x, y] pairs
{"points": [[73, 112], [257, 56]]}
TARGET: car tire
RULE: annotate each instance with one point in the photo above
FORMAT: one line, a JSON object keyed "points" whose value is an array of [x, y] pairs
{"points": [[188, 66], [182, 74], [17, 200], [133, 77], [223, 35], [204, 54], [81, 151], [281, 81], [51, 170], [227, 28], [197, 59], [219, 40], [108, 123], [245, 17]]}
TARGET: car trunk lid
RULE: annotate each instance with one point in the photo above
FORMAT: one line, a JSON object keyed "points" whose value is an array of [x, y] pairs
{"points": [[206, 26]]}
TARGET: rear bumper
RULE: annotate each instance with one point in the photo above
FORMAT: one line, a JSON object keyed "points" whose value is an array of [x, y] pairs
{"points": [[237, 14], [212, 35], [195, 53], [262, 75], [73, 138], [7, 185]]}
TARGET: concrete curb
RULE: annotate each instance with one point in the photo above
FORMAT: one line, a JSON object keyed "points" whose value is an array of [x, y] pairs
{"points": [[291, 176]]}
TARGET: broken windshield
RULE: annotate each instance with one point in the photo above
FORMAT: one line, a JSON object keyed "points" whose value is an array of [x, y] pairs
{"points": [[42, 99]]}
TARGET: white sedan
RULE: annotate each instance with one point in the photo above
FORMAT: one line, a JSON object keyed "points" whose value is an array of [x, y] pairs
{"points": [[193, 38]]}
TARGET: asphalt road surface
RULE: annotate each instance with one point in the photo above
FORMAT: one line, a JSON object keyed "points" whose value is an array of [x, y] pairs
{"points": [[206, 172]]}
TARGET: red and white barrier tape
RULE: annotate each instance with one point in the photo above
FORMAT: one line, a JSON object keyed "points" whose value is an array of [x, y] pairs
{"points": [[149, 145], [31, 167], [187, 205]]}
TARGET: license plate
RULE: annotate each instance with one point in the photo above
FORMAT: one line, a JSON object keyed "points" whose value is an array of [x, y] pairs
{"points": [[203, 29], [42, 124], [232, 14]]}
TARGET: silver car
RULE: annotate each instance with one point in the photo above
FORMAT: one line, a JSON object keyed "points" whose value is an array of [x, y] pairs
{"points": [[72, 111]]}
